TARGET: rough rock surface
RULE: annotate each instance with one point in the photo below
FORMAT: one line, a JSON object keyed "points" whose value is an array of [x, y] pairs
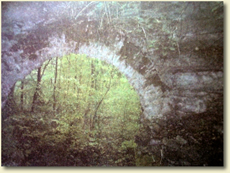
{"points": [[185, 84]]}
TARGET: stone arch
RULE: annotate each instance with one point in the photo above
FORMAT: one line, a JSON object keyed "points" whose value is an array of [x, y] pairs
{"points": [[185, 84], [28, 49], [29, 40], [59, 47]]}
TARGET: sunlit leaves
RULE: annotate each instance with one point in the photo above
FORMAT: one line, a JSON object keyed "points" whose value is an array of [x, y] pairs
{"points": [[88, 92], [128, 144]]}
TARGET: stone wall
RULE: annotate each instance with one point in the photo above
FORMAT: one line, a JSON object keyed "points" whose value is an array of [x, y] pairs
{"points": [[185, 83]]}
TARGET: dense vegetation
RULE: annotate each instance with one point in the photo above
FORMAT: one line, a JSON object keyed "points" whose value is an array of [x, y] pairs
{"points": [[163, 26], [72, 111]]}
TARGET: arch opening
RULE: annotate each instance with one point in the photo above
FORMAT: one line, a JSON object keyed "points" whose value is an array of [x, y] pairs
{"points": [[150, 94], [73, 102], [155, 101]]}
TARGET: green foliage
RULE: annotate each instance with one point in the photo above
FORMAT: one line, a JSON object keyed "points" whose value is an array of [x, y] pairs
{"points": [[128, 144], [96, 111]]}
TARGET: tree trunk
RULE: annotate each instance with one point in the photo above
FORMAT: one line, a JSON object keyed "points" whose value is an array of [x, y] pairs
{"points": [[92, 74], [36, 93], [22, 95], [98, 105], [9, 108], [55, 83]]}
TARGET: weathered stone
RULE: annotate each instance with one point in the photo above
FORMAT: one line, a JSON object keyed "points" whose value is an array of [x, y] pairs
{"points": [[147, 76], [186, 82]]}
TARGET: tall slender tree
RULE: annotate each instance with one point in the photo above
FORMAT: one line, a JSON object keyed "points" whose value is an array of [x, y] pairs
{"points": [[40, 73], [22, 95], [55, 84], [37, 90]]}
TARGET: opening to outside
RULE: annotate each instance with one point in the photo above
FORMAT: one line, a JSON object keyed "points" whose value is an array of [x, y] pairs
{"points": [[73, 111]]}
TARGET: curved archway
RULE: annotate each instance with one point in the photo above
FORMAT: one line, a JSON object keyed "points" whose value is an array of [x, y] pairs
{"points": [[82, 105], [31, 39]]}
